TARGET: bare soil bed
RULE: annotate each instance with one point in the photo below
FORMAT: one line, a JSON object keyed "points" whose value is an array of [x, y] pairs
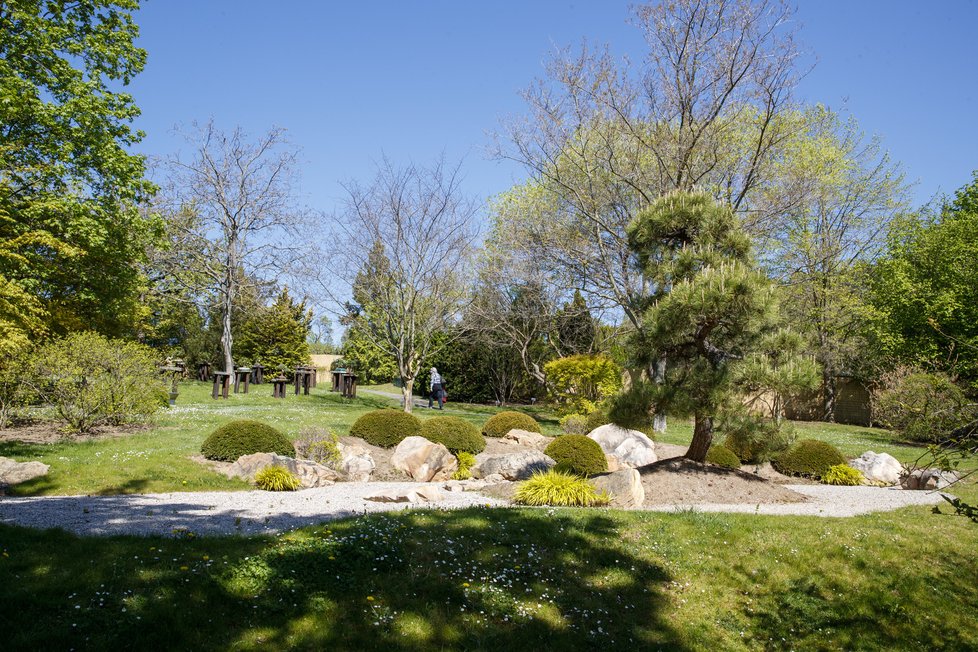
{"points": [[678, 481]]}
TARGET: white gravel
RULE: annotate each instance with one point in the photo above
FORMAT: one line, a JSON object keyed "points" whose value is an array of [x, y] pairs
{"points": [[262, 512]]}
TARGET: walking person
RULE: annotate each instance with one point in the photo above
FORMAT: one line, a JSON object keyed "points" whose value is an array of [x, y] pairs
{"points": [[436, 389]]}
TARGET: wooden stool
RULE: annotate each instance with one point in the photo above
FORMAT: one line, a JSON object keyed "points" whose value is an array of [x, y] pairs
{"points": [[242, 374], [222, 383], [278, 387]]}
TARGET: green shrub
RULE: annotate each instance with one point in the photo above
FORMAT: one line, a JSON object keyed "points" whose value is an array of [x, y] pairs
{"points": [[455, 433], [577, 454], [810, 458], [93, 381], [754, 440], [244, 437], [574, 424], [275, 478], [386, 428], [579, 382], [922, 407], [500, 424], [596, 419], [843, 474], [559, 490], [722, 456], [320, 445], [465, 462]]}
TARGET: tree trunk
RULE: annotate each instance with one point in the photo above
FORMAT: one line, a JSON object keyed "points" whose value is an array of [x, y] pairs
{"points": [[407, 390], [226, 339], [659, 377], [702, 438], [828, 395]]}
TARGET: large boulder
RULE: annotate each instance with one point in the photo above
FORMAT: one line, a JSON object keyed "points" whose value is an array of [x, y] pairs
{"points": [[631, 448], [526, 438], [310, 474], [356, 462], [878, 468], [419, 495], [625, 487], [14, 472], [511, 466], [423, 460], [929, 479]]}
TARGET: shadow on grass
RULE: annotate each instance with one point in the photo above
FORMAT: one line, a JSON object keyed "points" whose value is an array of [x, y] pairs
{"points": [[475, 579]]}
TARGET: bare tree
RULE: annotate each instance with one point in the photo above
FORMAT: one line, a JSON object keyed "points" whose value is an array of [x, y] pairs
{"points": [[229, 207], [398, 261]]}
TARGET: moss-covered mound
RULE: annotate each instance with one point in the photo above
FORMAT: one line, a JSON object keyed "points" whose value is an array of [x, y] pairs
{"points": [[577, 454], [244, 437], [809, 458], [500, 424], [455, 433], [386, 428]]}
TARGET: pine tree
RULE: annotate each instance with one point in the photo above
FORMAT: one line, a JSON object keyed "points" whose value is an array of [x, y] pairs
{"points": [[276, 336]]}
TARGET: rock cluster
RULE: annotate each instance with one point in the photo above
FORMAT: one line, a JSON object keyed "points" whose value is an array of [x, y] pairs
{"points": [[310, 474], [929, 479]]}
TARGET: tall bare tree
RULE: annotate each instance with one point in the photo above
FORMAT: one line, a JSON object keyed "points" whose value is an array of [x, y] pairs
{"points": [[398, 260], [231, 211]]}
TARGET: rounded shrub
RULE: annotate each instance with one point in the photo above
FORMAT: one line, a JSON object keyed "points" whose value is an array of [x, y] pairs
{"points": [[559, 490], [720, 455], [810, 458], [455, 433], [275, 478], [244, 437], [500, 424], [386, 428], [577, 454], [844, 475]]}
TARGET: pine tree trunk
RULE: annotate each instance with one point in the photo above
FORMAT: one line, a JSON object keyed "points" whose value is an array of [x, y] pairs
{"points": [[659, 377], [702, 438]]}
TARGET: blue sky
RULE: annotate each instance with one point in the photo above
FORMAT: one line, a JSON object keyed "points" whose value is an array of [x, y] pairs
{"points": [[351, 81]]}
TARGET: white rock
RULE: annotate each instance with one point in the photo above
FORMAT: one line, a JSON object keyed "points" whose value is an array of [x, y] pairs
{"points": [[423, 460], [625, 487], [419, 495], [356, 462], [878, 468], [14, 472], [510, 466], [631, 447]]}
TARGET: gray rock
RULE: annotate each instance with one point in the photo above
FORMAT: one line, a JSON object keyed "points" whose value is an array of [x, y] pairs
{"points": [[926, 479], [878, 468], [527, 438], [631, 447], [423, 460], [511, 466], [419, 495], [14, 472], [310, 474], [625, 487]]}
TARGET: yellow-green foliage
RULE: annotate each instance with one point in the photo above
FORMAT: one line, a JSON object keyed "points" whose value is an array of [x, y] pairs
{"points": [[577, 454], [579, 382], [465, 462], [843, 474], [276, 478], [722, 456], [559, 490], [500, 424]]}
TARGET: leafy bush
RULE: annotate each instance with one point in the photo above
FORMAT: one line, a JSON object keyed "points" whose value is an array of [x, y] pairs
{"points": [[809, 458], [93, 381], [754, 440], [275, 478], [386, 428], [843, 474], [465, 462], [320, 445], [244, 437], [500, 424], [722, 456], [455, 433], [579, 382], [596, 419], [922, 407], [559, 490], [14, 392], [577, 454], [574, 424]]}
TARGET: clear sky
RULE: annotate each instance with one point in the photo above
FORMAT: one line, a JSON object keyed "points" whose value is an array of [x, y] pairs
{"points": [[353, 80]]}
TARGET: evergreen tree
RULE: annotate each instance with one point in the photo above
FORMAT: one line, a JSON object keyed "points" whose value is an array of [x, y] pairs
{"points": [[276, 336]]}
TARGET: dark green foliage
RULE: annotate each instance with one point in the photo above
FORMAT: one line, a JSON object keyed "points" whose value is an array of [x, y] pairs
{"points": [[276, 336], [455, 433], [596, 419], [386, 428], [244, 437], [922, 407], [754, 439], [810, 458], [499, 424], [577, 454], [722, 456], [373, 365], [576, 328]]}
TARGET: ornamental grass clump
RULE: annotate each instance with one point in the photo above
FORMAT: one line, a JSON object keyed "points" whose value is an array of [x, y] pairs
{"points": [[454, 433], [808, 458], [386, 428], [502, 423], [465, 463], [843, 475], [559, 489], [720, 455], [276, 478], [244, 437], [577, 454]]}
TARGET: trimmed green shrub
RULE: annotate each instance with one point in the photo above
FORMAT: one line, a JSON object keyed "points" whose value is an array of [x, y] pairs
{"points": [[755, 440], [722, 456], [276, 478], [244, 437], [386, 428], [559, 490], [500, 424], [577, 454], [574, 424], [810, 458], [455, 433], [843, 474], [465, 462], [320, 445]]}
